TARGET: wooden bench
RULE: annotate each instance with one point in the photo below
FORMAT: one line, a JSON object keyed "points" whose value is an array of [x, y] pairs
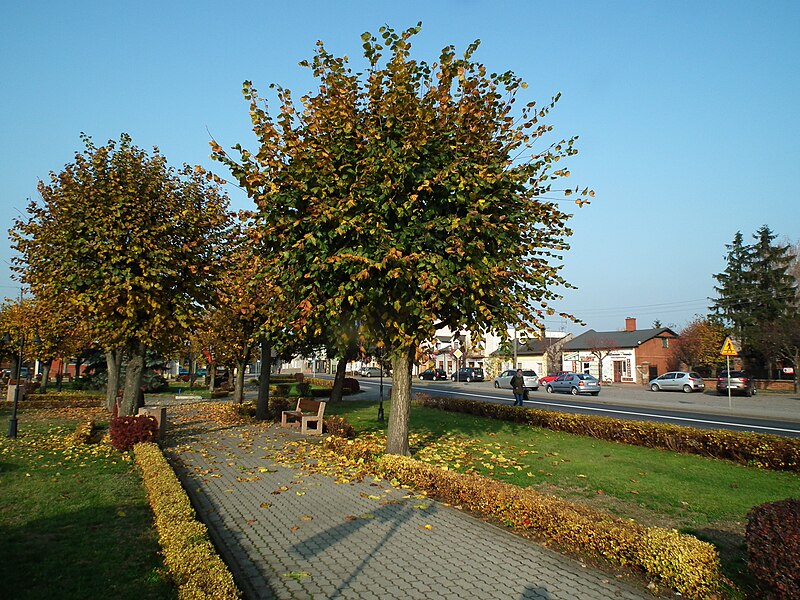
{"points": [[307, 412]]}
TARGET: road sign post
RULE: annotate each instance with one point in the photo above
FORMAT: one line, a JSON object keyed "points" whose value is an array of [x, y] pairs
{"points": [[727, 351]]}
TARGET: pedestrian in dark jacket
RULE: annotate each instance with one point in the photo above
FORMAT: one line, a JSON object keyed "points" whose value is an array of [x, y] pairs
{"points": [[518, 385]]}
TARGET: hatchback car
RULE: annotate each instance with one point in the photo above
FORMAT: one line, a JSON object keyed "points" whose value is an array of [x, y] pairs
{"points": [[686, 381], [739, 382], [574, 383], [468, 374], [553, 377], [529, 377], [433, 375], [370, 372]]}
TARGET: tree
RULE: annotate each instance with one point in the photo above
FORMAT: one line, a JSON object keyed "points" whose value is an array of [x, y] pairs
{"points": [[734, 289], [601, 348], [781, 340], [408, 197], [698, 344], [756, 289], [133, 244]]}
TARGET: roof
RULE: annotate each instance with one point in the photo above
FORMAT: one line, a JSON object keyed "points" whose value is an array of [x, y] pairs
{"points": [[532, 347], [616, 339]]}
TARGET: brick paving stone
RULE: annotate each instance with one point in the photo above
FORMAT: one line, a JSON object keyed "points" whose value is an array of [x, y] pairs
{"points": [[390, 555]]}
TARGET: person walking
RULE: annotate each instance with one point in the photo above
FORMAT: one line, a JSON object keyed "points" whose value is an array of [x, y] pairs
{"points": [[518, 385]]}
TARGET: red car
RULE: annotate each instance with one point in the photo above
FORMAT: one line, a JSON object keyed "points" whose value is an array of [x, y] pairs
{"points": [[547, 379]]}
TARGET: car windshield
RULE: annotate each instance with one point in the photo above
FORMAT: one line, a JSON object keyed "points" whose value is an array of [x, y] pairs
{"points": [[587, 377], [529, 373]]}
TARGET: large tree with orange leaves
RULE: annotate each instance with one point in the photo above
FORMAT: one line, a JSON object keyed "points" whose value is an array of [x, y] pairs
{"points": [[130, 243], [407, 196]]}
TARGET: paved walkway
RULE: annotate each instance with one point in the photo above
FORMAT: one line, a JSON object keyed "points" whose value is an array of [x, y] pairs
{"points": [[288, 533]]}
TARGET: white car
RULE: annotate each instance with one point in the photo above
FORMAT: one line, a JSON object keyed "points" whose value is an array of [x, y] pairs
{"points": [[529, 377]]}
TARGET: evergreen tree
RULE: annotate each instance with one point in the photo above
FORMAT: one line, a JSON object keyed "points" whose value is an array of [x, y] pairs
{"points": [[756, 290], [773, 286], [734, 287]]}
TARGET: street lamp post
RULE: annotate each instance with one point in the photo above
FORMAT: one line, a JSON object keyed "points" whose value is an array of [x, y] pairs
{"points": [[12, 422], [380, 405]]}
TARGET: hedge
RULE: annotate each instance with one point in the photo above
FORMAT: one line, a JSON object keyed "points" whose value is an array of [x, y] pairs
{"points": [[752, 449], [191, 559]]}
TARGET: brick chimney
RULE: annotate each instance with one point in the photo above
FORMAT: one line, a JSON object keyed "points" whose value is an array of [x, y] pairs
{"points": [[630, 324]]}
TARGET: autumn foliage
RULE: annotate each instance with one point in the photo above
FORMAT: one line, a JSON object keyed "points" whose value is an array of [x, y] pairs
{"points": [[404, 196], [773, 548]]}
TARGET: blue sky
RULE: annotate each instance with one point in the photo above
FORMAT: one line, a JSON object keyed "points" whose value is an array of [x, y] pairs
{"points": [[687, 112]]}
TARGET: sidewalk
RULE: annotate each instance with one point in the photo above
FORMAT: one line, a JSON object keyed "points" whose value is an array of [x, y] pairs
{"points": [[290, 533]]}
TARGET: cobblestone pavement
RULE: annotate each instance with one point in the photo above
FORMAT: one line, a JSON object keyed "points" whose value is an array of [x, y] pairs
{"points": [[288, 533]]}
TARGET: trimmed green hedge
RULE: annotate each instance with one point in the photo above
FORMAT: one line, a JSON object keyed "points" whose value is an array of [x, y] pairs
{"points": [[753, 449]]}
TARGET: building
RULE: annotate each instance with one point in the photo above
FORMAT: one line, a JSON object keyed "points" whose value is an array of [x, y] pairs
{"points": [[629, 356]]}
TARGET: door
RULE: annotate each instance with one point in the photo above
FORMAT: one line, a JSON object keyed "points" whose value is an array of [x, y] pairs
{"points": [[619, 367]]}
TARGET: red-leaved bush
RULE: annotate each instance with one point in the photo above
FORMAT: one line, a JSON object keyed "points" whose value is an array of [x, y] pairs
{"points": [[125, 432], [350, 385], [773, 548]]}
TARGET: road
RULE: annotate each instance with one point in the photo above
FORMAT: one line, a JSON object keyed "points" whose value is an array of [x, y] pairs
{"points": [[777, 414]]}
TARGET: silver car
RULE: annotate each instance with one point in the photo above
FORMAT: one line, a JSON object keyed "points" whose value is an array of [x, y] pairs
{"points": [[686, 381], [529, 377], [574, 383]]}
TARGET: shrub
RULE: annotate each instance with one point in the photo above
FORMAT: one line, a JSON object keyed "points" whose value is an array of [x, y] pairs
{"points": [[83, 432], [350, 386], [281, 389], [755, 449], [303, 389], [338, 426], [773, 548], [188, 553], [678, 560], [127, 431], [299, 377], [321, 383], [276, 406]]}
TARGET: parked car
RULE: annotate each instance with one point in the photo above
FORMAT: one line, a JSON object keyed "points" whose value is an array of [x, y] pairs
{"points": [[548, 378], [433, 375], [370, 372], [739, 382], [529, 377], [574, 383], [686, 381], [468, 374]]}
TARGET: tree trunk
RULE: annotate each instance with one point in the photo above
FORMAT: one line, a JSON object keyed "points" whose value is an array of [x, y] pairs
{"points": [[262, 405], [133, 381], [238, 390], [46, 366], [114, 366], [341, 369], [212, 375], [338, 381], [397, 434]]}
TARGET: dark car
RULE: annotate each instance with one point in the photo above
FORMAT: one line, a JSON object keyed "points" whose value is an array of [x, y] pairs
{"points": [[739, 382], [433, 375], [468, 374]]}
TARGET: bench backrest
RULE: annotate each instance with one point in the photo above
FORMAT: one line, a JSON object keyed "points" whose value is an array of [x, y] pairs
{"points": [[310, 405]]}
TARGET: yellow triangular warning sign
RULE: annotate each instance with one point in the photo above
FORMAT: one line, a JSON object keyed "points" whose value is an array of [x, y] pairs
{"points": [[728, 349]]}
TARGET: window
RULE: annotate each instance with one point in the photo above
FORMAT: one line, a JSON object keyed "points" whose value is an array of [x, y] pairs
{"points": [[665, 342], [586, 366]]}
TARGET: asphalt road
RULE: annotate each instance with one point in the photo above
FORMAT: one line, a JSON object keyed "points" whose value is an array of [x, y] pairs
{"points": [[772, 413]]}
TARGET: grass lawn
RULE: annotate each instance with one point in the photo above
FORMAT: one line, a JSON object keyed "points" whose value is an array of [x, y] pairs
{"points": [[74, 520], [705, 497]]}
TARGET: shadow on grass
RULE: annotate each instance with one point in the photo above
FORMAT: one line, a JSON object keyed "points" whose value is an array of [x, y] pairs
{"points": [[93, 553], [732, 549]]}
